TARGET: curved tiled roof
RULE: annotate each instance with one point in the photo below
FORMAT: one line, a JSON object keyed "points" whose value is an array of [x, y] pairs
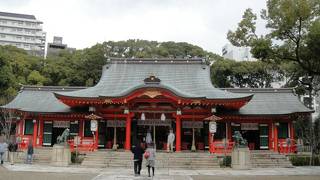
{"points": [[188, 78], [40, 99], [269, 101], [264, 101]]}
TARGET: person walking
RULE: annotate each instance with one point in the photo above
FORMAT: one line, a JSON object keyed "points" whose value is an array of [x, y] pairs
{"points": [[170, 141], [137, 158], [29, 153], [150, 156], [13, 146], [3, 149]]}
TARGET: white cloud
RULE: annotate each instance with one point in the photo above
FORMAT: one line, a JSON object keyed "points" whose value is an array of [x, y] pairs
{"points": [[83, 23]]}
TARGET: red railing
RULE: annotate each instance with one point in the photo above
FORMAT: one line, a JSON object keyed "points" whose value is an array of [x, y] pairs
{"points": [[287, 148], [23, 142], [220, 147], [84, 145]]}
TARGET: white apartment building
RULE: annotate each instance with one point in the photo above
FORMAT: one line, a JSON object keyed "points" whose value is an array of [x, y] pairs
{"points": [[237, 53], [23, 31]]}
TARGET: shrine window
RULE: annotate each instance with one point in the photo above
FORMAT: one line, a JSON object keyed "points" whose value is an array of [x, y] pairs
{"points": [[283, 131], [87, 129], [221, 131], [28, 127], [74, 128]]}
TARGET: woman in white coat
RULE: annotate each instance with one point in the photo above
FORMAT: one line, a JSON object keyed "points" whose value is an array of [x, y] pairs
{"points": [[150, 156]]}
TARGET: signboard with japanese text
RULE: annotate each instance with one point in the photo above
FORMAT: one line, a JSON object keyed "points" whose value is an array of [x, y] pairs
{"points": [[61, 124], [249, 126], [192, 124], [93, 125], [116, 123], [212, 126], [154, 122]]}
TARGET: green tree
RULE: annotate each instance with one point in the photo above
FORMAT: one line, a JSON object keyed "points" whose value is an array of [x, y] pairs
{"points": [[35, 78], [245, 34], [293, 28], [251, 74]]}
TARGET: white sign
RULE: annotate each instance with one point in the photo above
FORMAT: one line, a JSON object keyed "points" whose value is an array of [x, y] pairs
{"points": [[94, 125], [61, 124], [212, 126], [249, 126], [76, 140]]}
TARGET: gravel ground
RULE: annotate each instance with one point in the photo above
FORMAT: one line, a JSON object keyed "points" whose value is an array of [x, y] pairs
{"points": [[14, 175], [256, 177]]}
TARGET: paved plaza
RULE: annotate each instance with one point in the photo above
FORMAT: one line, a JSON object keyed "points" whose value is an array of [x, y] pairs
{"points": [[19, 171]]}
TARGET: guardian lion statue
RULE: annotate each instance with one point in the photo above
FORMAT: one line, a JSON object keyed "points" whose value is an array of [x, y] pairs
{"points": [[240, 142], [62, 139]]}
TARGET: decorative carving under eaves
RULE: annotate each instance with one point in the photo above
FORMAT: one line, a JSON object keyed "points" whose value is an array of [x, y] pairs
{"points": [[93, 117], [152, 94]]}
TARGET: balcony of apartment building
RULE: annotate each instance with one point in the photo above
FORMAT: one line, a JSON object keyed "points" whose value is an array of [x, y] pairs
{"points": [[21, 31], [36, 25], [21, 39]]}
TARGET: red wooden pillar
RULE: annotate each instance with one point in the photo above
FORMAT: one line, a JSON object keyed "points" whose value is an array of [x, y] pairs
{"points": [[270, 136], [96, 143], [21, 127], [80, 128], [41, 131], [291, 130], [128, 132], [35, 132], [229, 131], [178, 133], [210, 138], [275, 136]]}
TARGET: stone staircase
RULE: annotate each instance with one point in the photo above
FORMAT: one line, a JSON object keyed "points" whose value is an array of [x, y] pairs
{"points": [[265, 159], [41, 156], [185, 160]]}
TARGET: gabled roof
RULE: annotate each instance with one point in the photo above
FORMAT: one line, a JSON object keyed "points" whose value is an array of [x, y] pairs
{"points": [[270, 101], [187, 78]]}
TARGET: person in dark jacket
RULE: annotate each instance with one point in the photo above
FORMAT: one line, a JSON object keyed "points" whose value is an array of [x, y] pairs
{"points": [[13, 146], [3, 148], [29, 153], [137, 158]]}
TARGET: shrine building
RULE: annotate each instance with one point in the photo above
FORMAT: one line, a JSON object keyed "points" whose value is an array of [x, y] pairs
{"points": [[136, 96]]}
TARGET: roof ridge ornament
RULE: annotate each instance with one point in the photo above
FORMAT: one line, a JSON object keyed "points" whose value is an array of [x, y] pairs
{"points": [[152, 79]]}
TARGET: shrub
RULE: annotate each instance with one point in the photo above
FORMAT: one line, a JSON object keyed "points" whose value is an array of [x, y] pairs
{"points": [[225, 161], [76, 159], [297, 160]]}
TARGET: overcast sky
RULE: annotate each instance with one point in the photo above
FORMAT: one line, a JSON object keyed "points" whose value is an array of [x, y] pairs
{"points": [[83, 23]]}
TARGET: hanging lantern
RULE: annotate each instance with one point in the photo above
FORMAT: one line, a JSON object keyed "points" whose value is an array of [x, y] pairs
{"points": [[143, 117], [126, 111], [178, 111], [92, 109], [213, 110], [163, 117]]}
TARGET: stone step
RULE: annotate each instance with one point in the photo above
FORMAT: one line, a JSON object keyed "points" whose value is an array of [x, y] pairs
{"points": [[163, 160], [269, 159]]}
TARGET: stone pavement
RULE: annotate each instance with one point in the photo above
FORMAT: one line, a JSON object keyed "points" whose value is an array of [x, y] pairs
{"points": [[167, 174]]}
